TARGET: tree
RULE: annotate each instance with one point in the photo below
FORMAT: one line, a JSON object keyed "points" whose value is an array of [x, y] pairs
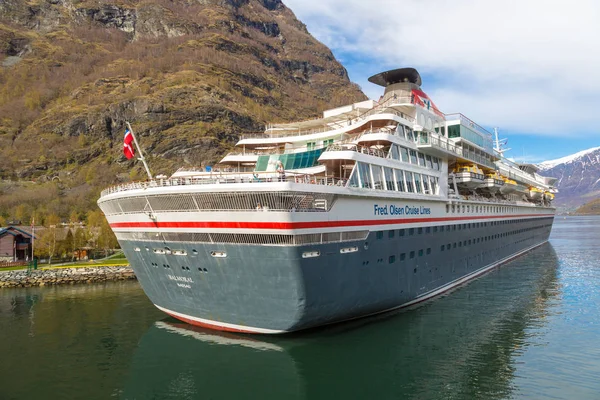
{"points": [[67, 246], [106, 238], [74, 217], [2, 221], [80, 240]]}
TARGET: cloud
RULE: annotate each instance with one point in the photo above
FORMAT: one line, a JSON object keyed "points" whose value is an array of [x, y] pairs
{"points": [[529, 65]]}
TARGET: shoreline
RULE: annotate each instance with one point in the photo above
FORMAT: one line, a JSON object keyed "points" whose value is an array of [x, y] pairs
{"points": [[62, 276]]}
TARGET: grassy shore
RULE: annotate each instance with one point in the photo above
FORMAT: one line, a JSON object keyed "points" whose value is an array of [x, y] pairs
{"points": [[116, 260]]}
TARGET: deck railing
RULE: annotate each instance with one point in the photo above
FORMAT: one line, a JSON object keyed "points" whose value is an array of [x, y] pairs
{"points": [[285, 131], [227, 178]]}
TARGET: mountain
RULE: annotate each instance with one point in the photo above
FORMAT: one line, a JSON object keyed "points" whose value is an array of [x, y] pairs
{"points": [[578, 177], [190, 76], [591, 208]]}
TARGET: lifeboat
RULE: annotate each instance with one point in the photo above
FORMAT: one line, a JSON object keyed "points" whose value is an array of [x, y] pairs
{"points": [[468, 175], [510, 185], [535, 193], [548, 196], [492, 182]]}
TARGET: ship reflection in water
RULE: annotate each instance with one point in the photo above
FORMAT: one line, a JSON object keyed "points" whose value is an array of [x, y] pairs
{"points": [[461, 346]]}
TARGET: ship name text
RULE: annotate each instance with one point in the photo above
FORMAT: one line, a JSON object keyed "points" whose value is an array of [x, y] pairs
{"points": [[392, 209], [180, 278]]}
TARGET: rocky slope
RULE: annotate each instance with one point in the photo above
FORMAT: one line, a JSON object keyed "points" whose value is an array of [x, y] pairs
{"points": [[578, 177], [190, 75]]}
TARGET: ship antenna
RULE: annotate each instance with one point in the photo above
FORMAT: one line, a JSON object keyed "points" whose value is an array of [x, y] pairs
{"points": [[500, 143]]}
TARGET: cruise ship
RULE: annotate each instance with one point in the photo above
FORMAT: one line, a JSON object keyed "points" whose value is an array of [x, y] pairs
{"points": [[375, 206]]}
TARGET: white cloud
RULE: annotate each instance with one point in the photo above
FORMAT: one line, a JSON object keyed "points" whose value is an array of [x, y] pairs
{"points": [[526, 65]]}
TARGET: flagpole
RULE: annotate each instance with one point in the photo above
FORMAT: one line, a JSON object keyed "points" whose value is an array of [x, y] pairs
{"points": [[32, 236], [141, 158]]}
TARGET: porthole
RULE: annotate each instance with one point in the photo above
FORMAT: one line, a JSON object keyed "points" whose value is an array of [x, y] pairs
{"points": [[218, 254], [311, 254]]}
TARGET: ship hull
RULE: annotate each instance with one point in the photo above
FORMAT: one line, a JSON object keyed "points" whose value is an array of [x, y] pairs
{"points": [[276, 289]]}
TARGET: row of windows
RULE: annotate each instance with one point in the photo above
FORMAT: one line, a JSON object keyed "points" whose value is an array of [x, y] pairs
{"points": [[478, 208], [460, 244], [457, 227], [410, 156], [385, 178], [489, 238]]}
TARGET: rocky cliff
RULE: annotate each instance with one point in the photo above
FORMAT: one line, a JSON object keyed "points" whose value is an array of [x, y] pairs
{"points": [[190, 75]]}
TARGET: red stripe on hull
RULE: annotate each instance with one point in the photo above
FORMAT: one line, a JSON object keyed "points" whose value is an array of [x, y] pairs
{"points": [[205, 325], [306, 225]]}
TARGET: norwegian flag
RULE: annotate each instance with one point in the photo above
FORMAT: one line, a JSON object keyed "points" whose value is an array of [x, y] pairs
{"points": [[127, 147]]}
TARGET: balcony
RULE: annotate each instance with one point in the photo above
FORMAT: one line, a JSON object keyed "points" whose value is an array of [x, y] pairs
{"points": [[442, 146]]}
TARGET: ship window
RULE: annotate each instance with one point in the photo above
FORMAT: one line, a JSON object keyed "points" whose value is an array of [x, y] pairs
{"points": [[389, 178], [394, 152], [391, 234], [434, 184], [421, 253], [402, 256], [442, 248], [428, 251], [421, 159], [419, 231], [400, 180], [400, 131], [404, 154], [429, 161], [400, 232], [454, 245], [392, 259], [447, 208], [412, 254], [436, 163], [428, 230], [448, 246], [377, 177], [435, 229], [411, 231], [459, 244], [380, 235], [413, 157], [409, 182], [409, 134], [426, 184], [353, 181], [365, 175], [442, 228]]}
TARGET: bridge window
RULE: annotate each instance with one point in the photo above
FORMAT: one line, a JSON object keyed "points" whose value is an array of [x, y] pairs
{"points": [[421, 159]]}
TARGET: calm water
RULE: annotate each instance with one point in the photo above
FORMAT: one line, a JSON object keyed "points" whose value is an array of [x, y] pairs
{"points": [[530, 329]]}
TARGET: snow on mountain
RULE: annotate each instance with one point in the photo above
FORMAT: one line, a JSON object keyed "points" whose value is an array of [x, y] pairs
{"points": [[578, 177], [546, 165]]}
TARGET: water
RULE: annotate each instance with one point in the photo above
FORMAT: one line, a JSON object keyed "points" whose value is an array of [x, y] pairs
{"points": [[530, 329]]}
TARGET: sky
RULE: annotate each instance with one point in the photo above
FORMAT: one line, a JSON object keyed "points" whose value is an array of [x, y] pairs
{"points": [[531, 68]]}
